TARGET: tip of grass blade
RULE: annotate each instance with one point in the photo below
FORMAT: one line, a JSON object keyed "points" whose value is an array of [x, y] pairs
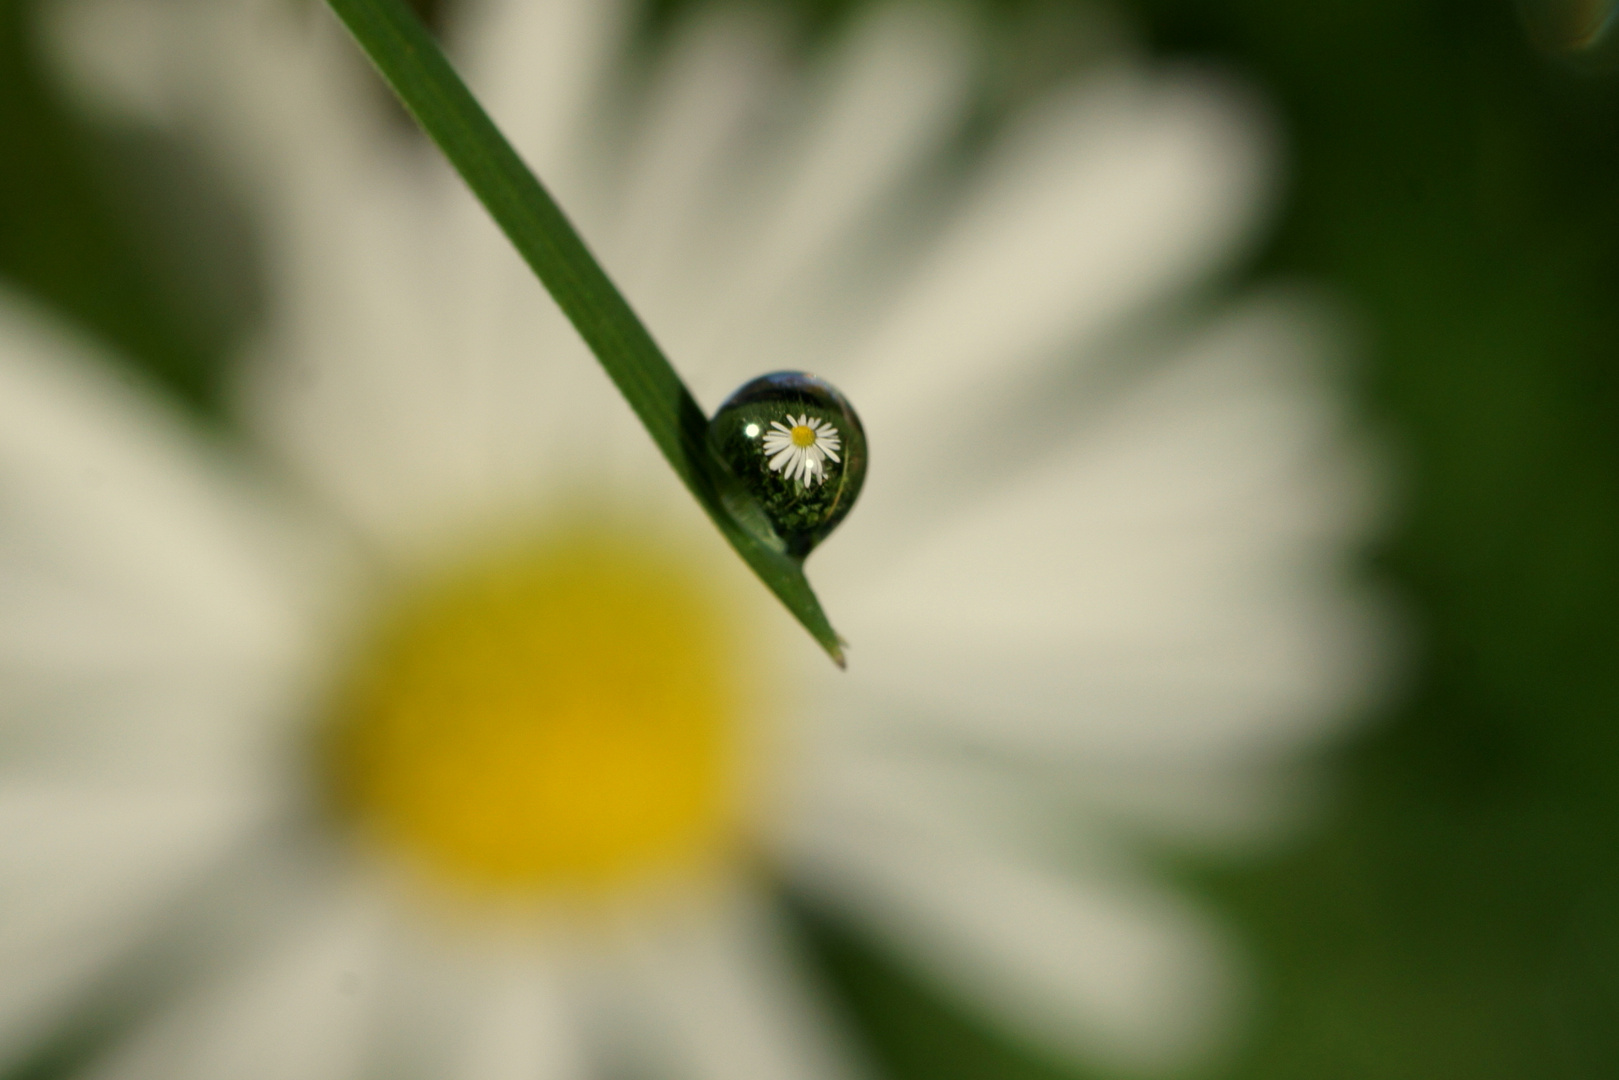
{"points": [[784, 576], [812, 617], [727, 503], [829, 639]]}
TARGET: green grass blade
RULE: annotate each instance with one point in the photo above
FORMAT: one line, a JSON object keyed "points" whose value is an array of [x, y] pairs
{"points": [[413, 64]]}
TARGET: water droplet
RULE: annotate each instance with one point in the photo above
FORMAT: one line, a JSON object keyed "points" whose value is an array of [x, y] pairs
{"points": [[799, 450]]}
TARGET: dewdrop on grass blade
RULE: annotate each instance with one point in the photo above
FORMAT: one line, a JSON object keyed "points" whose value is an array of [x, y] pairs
{"points": [[798, 448]]}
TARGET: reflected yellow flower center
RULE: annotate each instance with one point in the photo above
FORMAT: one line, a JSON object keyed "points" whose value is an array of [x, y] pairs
{"points": [[803, 435], [560, 716]]}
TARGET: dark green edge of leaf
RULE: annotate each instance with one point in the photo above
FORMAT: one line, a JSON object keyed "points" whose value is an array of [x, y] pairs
{"points": [[417, 69]]}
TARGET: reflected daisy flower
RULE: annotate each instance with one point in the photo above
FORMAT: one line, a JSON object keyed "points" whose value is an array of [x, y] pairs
{"points": [[431, 729], [797, 449]]}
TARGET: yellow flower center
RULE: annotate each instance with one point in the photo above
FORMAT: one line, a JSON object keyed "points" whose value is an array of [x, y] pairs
{"points": [[557, 717], [803, 435]]}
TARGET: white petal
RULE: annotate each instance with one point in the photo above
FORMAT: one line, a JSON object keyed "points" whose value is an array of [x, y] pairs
{"points": [[538, 66], [1111, 196], [415, 372], [142, 575], [105, 489], [429, 999], [736, 1004], [536, 414], [85, 874], [716, 75], [1072, 950], [301, 1011], [799, 198], [1165, 585], [209, 64], [523, 1030]]}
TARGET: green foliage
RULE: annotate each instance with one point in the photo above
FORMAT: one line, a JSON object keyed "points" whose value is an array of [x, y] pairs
{"points": [[1457, 915]]}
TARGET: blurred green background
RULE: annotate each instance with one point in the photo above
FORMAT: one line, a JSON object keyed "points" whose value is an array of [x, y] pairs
{"points": [[1458, 181]]}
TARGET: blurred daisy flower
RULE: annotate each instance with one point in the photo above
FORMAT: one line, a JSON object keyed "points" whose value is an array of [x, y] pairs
{"points": [[436, 733]]}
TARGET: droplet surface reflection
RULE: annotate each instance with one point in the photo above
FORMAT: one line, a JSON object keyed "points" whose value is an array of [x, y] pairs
{"points": [[799, 449]]}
